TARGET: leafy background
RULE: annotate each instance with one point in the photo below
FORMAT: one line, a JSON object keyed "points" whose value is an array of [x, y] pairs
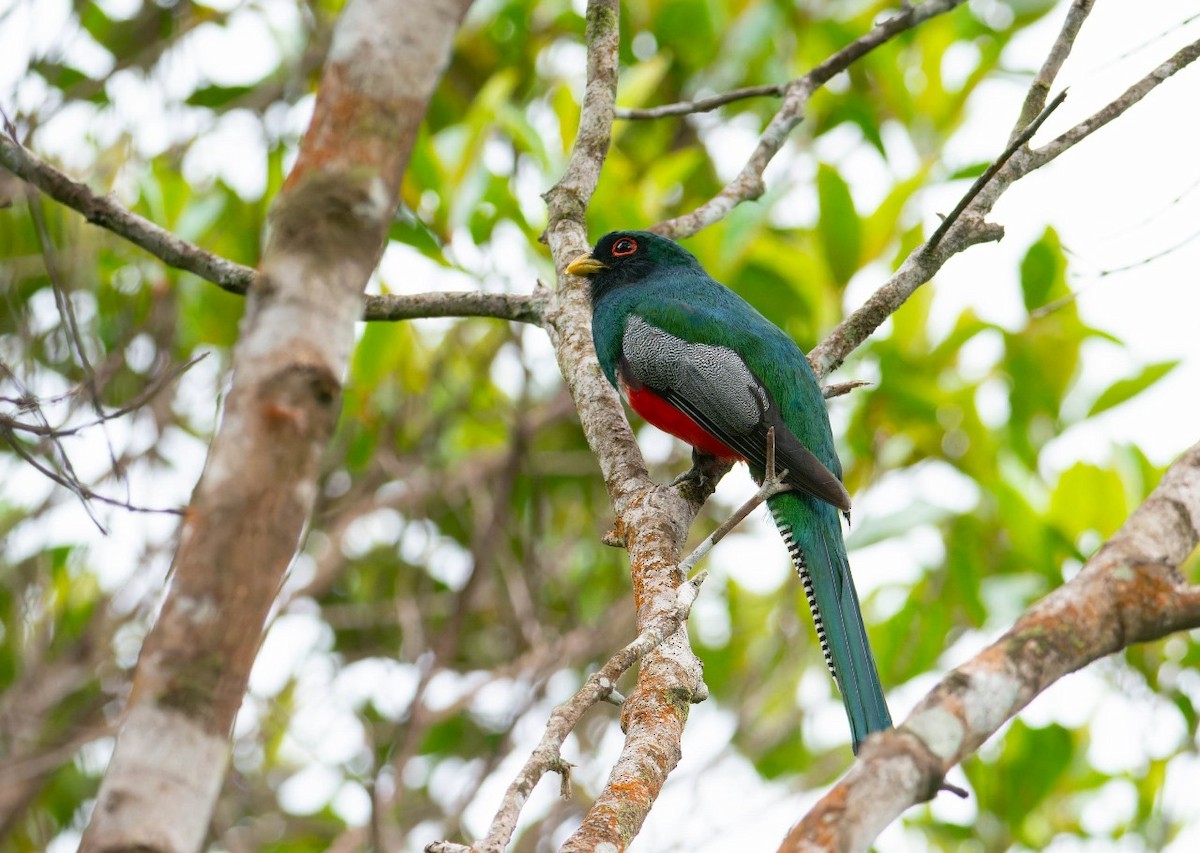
{"points": [[453, 587]]}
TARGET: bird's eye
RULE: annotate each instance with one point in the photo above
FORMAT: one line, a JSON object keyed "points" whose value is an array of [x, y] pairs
{"points": [[623, 247]]}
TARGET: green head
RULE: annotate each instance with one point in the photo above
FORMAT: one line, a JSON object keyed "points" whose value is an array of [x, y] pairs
{"points": [[624, 258]]}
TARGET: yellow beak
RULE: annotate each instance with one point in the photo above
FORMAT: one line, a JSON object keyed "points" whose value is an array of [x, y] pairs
{"points": [[585, 265]]}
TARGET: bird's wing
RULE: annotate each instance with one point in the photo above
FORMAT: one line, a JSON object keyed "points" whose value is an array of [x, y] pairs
{"points": [[713, 386]]}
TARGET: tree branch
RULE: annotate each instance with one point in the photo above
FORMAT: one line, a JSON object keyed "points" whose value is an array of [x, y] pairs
{"points": [[518, 307], [983, 180], [653, 519], [772, 484], [599, 685], [918, 268], [1184, 57], [970, 226], [748, 185], [329, 227], [1039, 91], [156, 384], [1129, 591], [71, 482], [105, 212], [700, 105]]}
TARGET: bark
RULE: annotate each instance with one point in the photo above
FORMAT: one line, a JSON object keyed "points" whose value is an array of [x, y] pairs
{"points": [[652, 519], [239, 534]]}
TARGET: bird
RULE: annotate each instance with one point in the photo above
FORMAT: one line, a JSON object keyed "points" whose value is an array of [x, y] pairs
{"points": [[696, 360]]}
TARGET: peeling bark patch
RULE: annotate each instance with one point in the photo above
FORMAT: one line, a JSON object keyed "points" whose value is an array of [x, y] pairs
{"points": [[353, 133], [200, 610], [191, 689], [940, 731], [330, 216], [1187, 518], [990, 699], [303, 398], [154, 777]]}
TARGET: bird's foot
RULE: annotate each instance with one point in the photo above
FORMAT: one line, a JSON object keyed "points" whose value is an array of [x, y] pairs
{"points": [[703, 476]]}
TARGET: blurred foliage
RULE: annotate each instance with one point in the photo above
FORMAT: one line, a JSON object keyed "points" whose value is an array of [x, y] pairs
{"points": [[453, 585]]}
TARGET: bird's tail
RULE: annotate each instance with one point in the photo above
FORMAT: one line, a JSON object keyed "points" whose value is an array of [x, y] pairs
{"points": [[813, 533]]}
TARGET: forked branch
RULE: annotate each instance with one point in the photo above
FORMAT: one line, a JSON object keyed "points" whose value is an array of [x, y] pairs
{"points": [[547, 756], [748, 185]]}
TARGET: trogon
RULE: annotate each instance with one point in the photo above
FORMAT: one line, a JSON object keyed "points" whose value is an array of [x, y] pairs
{"points": [[699, 362]]}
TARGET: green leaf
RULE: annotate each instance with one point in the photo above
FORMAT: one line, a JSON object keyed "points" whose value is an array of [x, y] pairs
{"points": [[1126, 389], [1013, 787], [971, 170], [838, 225], [59, 75], [1042, 268], [218, 96], [1088, 498], [880, 228]]}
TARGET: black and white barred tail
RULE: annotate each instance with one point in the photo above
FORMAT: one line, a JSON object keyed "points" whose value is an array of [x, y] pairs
{"points": [[813, 532], [797, 553]]}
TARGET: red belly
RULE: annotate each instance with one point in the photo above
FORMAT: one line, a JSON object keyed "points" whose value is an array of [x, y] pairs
{"points": [[666, 417]]}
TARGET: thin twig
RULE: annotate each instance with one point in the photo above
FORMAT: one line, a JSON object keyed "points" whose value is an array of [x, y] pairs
{"points": [[153, 387], [1039, 90], [566, 717], [1184, 57], [837, 389], [772, 484], [921, 264], [748, 185], [105, 212], [84, 493], [701, 105], [990, 172], [66, 310], [29, 402]]}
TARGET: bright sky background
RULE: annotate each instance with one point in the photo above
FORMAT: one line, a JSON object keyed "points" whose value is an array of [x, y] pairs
{"points": [[1124, 196]]}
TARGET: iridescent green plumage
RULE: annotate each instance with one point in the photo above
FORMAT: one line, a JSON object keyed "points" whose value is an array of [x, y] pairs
{"points": [[677, 342]]}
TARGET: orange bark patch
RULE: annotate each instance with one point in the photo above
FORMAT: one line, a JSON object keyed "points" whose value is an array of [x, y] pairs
{"points": [[351, 130]]}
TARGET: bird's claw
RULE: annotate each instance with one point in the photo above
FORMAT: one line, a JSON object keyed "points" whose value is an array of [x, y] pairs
{"points": [[705, 473], [692, 475]]}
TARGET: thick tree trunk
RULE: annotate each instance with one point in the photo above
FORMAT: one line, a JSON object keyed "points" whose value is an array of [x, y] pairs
{"points": [[241, 530]]}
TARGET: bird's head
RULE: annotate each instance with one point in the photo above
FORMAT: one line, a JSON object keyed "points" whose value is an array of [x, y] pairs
{"points": [[628, 258]]}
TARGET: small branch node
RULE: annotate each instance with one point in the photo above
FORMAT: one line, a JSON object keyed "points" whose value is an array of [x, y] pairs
{"points": [[837, 389], [961, 793], [563, 768], [446, 847], [615, 698], [613, 539]]}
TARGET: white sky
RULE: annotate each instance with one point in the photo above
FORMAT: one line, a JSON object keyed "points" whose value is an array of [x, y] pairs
{"points": [[1125, 195]]}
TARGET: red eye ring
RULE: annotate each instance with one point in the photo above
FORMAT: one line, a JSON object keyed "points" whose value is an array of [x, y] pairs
{"points": [[624, 246]]}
